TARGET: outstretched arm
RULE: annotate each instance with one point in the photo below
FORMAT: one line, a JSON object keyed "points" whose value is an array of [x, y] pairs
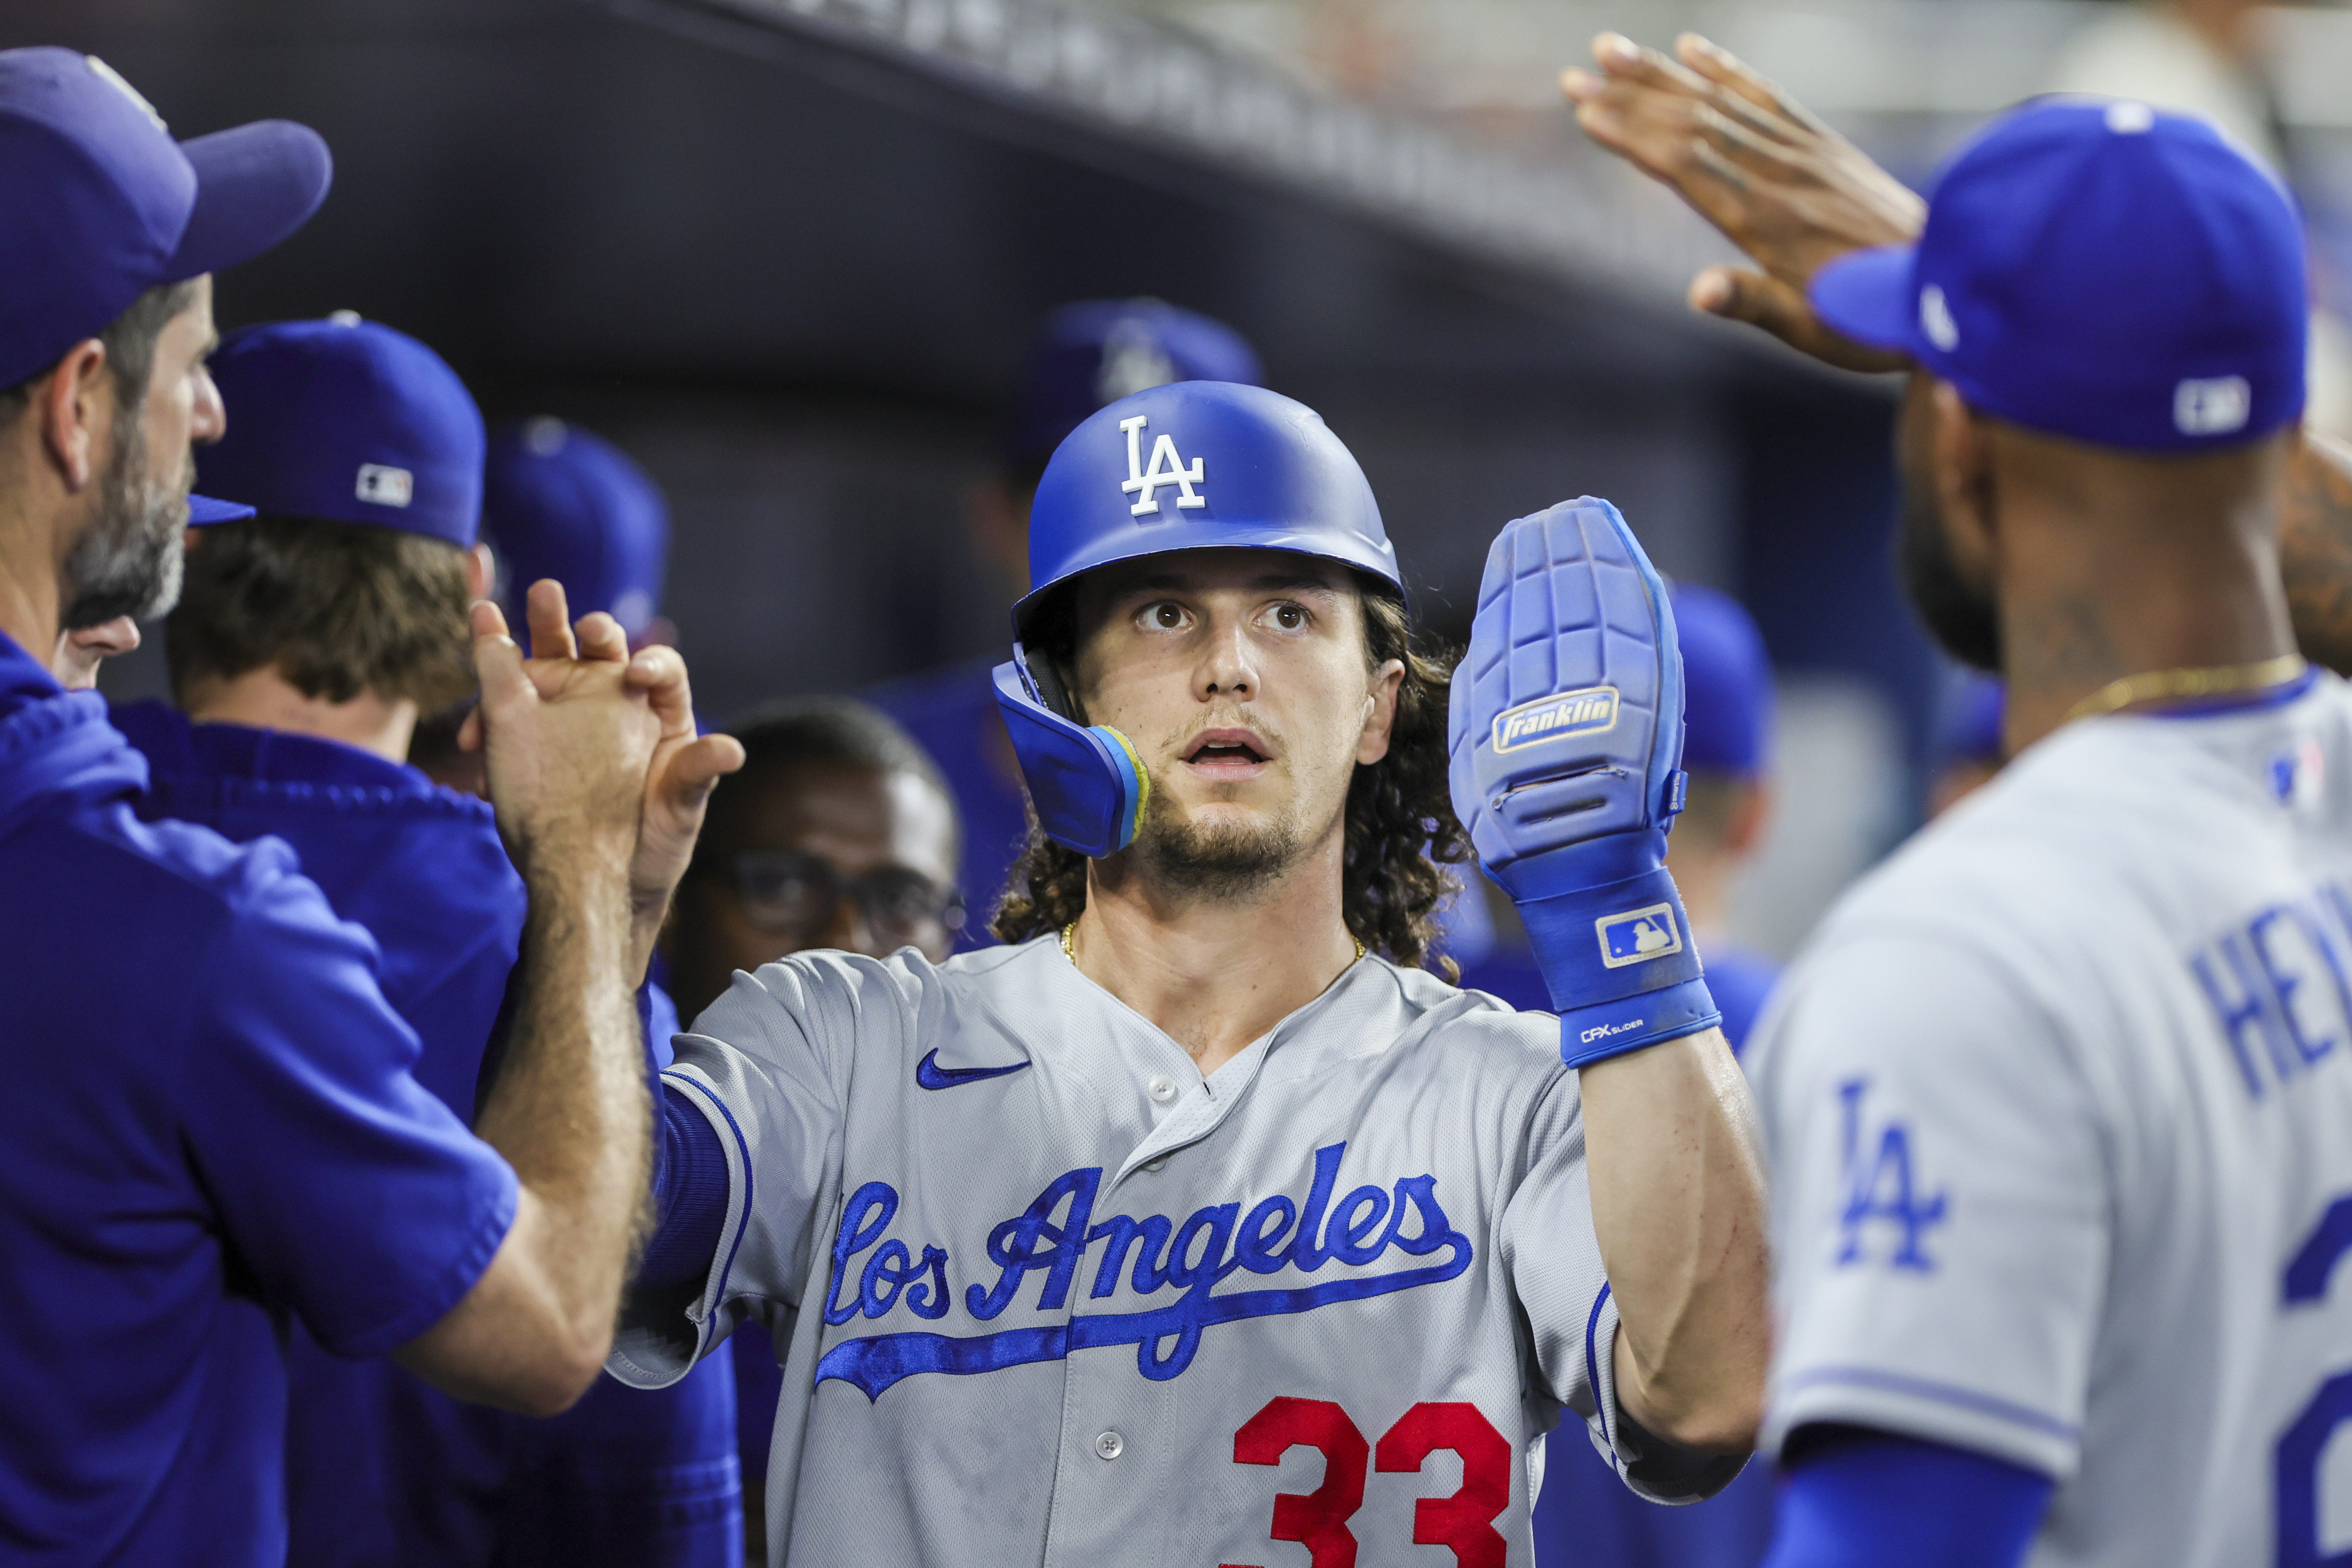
{"points": [[1677, 1175], [1790, 192], [1794, 195], [589, 748], [1566, 778]]}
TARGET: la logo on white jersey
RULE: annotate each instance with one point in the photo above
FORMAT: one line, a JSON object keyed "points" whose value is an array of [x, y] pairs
{"points": [[1167, 468]]}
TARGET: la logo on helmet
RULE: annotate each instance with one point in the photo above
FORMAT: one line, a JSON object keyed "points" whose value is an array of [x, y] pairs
{"points": [[1167, 468]]}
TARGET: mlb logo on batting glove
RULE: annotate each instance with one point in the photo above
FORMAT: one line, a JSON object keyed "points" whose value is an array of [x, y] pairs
{"points": [[1566, 734]]}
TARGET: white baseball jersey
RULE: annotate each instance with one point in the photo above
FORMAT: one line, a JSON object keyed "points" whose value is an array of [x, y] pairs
{"points": [[1051, 1297], [2060, 1111]]}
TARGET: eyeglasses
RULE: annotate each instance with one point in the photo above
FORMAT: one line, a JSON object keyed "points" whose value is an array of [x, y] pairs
{"points": [[787, 893]]}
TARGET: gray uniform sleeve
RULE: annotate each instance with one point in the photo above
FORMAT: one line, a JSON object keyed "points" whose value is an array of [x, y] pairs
{"points": [[769, 1064], [1940, 1197], [1554, 1258]]}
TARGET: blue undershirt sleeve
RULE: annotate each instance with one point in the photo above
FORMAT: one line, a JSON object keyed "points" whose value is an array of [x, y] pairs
{"points": [[689, 1197], [1855, 1497]]}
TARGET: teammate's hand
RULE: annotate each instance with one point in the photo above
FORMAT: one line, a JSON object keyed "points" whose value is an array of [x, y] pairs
{"points": [[570, 737], [1780, 184], [1565, 735], [686, 768]]}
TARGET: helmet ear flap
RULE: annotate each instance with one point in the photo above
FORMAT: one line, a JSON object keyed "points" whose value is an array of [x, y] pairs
{"points": [[1088, 786]]}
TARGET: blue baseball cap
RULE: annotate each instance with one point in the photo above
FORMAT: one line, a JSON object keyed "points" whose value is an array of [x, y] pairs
{"points": [[561, 502], [1727, 683], [104, 205], [348, 421], [1096, 352], [2100, 270]]}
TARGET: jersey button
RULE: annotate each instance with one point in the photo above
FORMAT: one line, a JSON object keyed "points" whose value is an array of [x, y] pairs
{"points": [[1110, 1446], [1163, 1089]]}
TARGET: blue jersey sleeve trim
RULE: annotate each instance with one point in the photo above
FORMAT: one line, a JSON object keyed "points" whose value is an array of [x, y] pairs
{"points": [[1938, 1393], [1592, 1364], [1862, 1498], [691, 1193], [744, 1163]]}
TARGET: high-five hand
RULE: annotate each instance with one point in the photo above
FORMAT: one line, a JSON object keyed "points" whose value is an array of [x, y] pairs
{"points": [[678, 774], [686, 768], [1780, 184], [570, 736]]}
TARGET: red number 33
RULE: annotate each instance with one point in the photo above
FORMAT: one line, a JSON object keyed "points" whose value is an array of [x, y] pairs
{"points": [[1319, 1520]]}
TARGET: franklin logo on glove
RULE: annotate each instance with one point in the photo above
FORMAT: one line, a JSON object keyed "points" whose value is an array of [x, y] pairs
{"points": [[1585, 712], [1574, 635]]}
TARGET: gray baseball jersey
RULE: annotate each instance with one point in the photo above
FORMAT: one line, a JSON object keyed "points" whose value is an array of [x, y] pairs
{"points": [[2059, 1111], [1052, 1296]]}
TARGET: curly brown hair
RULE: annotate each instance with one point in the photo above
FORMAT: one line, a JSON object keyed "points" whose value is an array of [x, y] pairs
{"points": [[1401, 833]]}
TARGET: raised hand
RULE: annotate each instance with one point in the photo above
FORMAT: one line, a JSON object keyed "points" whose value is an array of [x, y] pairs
{"points": [[1780, 184], [673, 785], [685, 767], [1565, 739], [570, 738]]}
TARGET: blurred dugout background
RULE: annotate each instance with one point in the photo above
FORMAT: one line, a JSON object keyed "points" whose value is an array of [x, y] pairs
{"points": [[788, 253]]}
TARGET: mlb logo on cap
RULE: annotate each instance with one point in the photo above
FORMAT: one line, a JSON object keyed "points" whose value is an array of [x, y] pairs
{"points": [[382, 485], [2212, 407], [1638, 936]]}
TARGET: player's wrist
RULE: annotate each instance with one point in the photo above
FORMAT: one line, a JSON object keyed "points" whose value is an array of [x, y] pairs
{"points": [[1610, 936]]}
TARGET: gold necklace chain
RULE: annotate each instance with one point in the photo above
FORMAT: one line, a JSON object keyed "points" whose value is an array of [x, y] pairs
{"points": [[1070, 950], [2212, 681]]}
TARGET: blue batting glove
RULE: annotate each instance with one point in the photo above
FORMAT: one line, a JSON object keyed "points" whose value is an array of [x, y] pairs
{"points": [[1566, 735]]}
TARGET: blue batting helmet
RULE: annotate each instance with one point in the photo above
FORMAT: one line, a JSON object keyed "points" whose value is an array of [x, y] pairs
{"points": [[1199, 464]]}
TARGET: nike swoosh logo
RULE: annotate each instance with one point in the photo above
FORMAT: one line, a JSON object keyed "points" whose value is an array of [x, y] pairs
{"points": [[930, 1075]]}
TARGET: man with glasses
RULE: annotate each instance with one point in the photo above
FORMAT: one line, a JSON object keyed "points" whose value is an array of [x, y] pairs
{"points": [[838, 832]]}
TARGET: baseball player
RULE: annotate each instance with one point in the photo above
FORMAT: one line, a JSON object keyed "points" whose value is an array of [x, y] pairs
{"points": [[2056, 1096], [1085, 355], [306, 640], [838, 832], [1197, 1221], [211, 1126]]}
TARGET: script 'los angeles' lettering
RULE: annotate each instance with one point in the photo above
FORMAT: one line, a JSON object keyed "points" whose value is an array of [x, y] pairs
{"points": [[874, 1275]]}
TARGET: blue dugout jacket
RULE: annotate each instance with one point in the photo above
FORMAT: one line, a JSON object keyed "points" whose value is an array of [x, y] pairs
{"points": [[383, 1469], [212, 1136]]}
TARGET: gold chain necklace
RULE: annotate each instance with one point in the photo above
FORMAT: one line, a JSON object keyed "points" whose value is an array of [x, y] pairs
{"points": [[1070, 952], [2212, 681]]}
